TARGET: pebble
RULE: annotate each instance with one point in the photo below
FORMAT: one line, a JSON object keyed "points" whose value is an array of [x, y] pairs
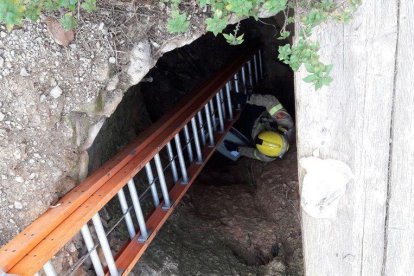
{"points": [[6, 72], [1, 62], [24, 73], [112, 60], [42, 98], [3, 177], [18, 205], [72, 248], [17, 154], [2, 116], [19, 179], [3, 34], [56, 92]]}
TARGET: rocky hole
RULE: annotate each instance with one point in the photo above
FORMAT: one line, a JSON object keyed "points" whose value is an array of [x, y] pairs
{"points": [[238, 218]]}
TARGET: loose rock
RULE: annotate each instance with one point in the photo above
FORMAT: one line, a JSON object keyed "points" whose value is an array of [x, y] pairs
{"points": [[18, 205], [112, 60], [56, 92], [24, 73]]}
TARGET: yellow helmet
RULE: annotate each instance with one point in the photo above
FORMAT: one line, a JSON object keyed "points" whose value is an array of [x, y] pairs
{"points": [[272, 144]]}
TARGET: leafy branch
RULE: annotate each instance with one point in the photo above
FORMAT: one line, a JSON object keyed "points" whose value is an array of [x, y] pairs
{"points": [[304, 51]]}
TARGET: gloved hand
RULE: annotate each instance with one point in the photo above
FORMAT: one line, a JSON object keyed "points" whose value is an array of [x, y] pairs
{"points": [[230, 146]]}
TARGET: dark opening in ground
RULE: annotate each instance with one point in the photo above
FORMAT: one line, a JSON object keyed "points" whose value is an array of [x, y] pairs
{"points": [[238, 218]]}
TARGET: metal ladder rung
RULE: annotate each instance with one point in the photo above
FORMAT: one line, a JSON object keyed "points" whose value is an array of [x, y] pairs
{"points": [[103, 241], [138, 211], [93, 255]]}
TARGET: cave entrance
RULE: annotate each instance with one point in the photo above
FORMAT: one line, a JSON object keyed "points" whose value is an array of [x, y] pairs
{"points": [[239, 217]]}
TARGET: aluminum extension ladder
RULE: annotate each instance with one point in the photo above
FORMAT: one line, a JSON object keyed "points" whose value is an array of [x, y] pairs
{"points": [[184, 140]]}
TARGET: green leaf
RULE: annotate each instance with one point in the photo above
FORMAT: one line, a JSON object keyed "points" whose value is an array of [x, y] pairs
{"points": [[89, 5], [327, 80], [178, 22], [290, 20], [68, 4], [310, 78], [51, 5], [318, 85], [32, 11], [216, 24], [203, 3], [275, 6], [284, 35], [11, 13], [233, 40], [328, 68], [284, 52], [309, 68], [240, 7], [68, 22]]}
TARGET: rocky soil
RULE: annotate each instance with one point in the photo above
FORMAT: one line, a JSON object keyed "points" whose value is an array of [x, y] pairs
{"points": [[55, 99]]}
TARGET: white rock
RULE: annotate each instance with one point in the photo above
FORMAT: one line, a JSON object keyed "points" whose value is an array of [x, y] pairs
{"points": [[112, 60], [56, 92], [3, 34], [17, 154], [2, 116], [72, 248], [24, 73], [1, 62], [19, 179], [18, 205], [141, 62], [6, 72], [113, 82], [42, 98], [3, 177]]}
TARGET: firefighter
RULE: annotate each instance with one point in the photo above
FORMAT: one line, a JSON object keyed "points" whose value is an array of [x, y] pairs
{"points": [[267, 124]]}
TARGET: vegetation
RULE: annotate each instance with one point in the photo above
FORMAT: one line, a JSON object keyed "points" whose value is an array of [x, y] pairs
{"points": [[304, 51], [13, 12]]}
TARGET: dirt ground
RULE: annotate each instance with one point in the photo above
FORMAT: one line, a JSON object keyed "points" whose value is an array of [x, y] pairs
{"points": [[237, 219]]}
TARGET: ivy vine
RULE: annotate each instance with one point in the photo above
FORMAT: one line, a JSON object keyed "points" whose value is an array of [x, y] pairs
{"points": [[304, 51]]}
